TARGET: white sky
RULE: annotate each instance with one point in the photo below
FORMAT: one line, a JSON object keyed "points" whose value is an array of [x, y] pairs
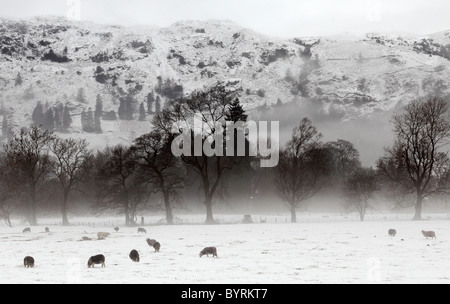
{"points": [[282, 18]]}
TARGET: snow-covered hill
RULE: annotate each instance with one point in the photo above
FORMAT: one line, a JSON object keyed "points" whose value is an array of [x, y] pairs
{"points": [[354, 76]]}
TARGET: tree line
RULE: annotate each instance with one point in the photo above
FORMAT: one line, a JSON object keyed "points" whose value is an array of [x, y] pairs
{"points": [[128, 179]]}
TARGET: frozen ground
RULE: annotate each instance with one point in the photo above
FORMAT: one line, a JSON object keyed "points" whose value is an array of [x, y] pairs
{"points": [[326, 251]]}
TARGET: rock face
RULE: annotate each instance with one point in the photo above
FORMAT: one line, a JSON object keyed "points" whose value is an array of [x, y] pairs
{"points": [[50, 59]]}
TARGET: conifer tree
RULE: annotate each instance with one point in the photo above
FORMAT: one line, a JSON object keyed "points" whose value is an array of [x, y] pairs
{"points": [[67, 119], [38, 114], [150, 102], [158, 105], [98, 115], [142, 114]]}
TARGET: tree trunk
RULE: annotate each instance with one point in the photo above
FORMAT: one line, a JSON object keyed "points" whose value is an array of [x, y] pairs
{"points": [[209, 213], [169, 215], [418, 208], [126, 210], [32, 216], [293, 214], [65, 220]]}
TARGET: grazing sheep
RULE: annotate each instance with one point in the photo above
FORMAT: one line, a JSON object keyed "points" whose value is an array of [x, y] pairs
{"points": [[28, 262], [142, 230], [208, 251], [97, 259], [428, 234], [151, 242], [134, 255], [26, 230], [103, 235], [47, 229], [157, 246], [116, 229], [392, 232]]}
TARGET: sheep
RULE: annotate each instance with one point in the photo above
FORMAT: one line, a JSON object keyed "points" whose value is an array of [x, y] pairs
{"points": [[102, 235], [392, 232], [28, 262], [208, 251], [97, 259], [428, 234], [141, 230], [116, 229], [26, 230], [47, 229], [151, 242], [134, 255], [157, 246]]}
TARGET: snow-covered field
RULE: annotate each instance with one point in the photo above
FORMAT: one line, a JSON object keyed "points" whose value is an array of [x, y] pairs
{"points": [[330, 251]]}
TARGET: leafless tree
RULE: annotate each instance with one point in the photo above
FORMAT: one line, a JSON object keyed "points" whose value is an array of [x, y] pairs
{"points": [[120, 186], [301, 166], [345, 158], [159, 165], [7, 190], [210, 107], [70, 158], [28, 153], [417, 163], [359, 188]]}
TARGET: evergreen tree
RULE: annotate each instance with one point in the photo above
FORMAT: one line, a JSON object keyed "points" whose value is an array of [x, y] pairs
{"points": [[158, 105], [150, 102], [67, 119], [142, 114], [84, 120], [59, 112], [38, 114], [18, 81], [121, 110], [236, 112], [81, 97], [49, 120], [98, 115], [90, 121]]}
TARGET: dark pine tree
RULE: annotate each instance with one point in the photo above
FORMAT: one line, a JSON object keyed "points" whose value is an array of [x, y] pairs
{"points": [[59, 111], [18, 81], [150, 102], [67, 119], [158, 105], [90, 121], [49, 120], [236, 112], [142, 114], [122, 109], [98, 115], [38, 115], [83, 120]]}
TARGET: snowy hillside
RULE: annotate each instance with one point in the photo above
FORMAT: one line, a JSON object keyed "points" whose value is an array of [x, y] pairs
{"points": [[55, 58]]}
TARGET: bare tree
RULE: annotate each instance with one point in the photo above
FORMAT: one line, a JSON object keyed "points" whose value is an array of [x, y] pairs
{"points": [[345, 158], [69, 163], [159, 166], [359, 189], [211, 108], [28, 153], [417, 161], [301, 166], [6, 190], [120, 187]]}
